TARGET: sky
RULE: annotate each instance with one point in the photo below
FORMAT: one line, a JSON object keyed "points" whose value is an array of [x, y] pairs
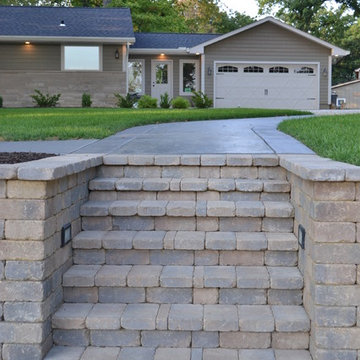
{"points": [[243, 6]]}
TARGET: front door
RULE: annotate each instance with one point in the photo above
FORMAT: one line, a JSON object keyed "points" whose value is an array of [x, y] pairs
{"points": [[161, 78]]}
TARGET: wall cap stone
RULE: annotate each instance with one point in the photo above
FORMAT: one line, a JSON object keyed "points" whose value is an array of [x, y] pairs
{"points": [[50, 168], [317, 168]]}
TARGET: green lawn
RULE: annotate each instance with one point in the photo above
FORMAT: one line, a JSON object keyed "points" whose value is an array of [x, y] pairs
{"points": [[335, 137], [97, 123]]}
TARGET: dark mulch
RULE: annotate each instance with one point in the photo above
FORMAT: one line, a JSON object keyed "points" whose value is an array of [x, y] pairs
{"points": [[19, 157]]}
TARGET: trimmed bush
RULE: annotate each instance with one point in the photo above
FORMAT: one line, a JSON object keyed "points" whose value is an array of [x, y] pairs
{"points": [[201, 100], [180, 103], [86, 100], [45, 100], [126, 102], [165, 101], [147, 102], [1, 102]]}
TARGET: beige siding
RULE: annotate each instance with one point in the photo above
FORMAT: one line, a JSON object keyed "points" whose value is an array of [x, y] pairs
{"points": [[109, 61], [17, 86], [268, 42], [24, 68], [30, 57], [176, 69], [351, 93]]}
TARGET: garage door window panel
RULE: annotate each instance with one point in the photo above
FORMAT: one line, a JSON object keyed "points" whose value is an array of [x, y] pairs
{"points": [[253, 69], [305, 70], [228, 69], [279, 70]]}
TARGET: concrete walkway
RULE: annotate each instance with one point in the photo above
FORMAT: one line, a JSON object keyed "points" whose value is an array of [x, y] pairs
{"points": [[258, 135]]}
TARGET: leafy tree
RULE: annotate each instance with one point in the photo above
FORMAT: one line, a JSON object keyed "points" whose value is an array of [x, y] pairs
{"points": [[232, 21], [36, 2], [154, 15], [344, 70]]}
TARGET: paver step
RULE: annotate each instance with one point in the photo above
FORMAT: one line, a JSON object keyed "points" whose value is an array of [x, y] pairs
{"points": [[113, 322], [231, 166], [158, 208], [167, 353], [185, 240], [189, 185], [188, 189], [154, 276], [243, 285]]}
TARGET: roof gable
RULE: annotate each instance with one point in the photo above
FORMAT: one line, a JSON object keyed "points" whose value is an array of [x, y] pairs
{"points": [[36, 21], [336, 51]]}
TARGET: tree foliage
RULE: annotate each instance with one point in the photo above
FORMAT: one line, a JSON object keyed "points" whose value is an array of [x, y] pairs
{"points": [[153, 15]]}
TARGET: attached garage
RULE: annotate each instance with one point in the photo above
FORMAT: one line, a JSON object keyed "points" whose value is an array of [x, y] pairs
{"points": [[266, 85], [268, 64]]}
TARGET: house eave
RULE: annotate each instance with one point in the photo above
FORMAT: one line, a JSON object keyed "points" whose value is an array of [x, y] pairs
{"points": [[68, 39], [153, 51]]}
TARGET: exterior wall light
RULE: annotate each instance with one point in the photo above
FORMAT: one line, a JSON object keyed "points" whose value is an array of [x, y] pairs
{"points": [[209, 71], [27, 42], [117, 55], [65, 234]]}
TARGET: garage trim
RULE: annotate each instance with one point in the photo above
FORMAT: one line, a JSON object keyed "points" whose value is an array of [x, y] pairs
{"points": [[314, 63]]}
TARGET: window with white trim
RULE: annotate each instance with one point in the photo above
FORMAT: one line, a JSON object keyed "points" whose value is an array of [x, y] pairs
{"points": [[305, 70], [278, 70], [228, 69], [253, 69], [81, 58], [136, 76], [189, 76]]}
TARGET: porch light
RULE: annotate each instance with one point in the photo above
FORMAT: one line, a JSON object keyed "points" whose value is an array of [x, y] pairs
{"points": [[27, 42], [117, 55], [162, 54], [197, 53]]}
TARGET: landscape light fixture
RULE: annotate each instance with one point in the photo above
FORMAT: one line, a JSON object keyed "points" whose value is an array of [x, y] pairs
{"points": [[117, 55], [301, 236], [65, 234]]}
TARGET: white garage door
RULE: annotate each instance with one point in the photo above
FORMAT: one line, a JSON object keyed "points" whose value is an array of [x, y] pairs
{"points": [[273, 86]]}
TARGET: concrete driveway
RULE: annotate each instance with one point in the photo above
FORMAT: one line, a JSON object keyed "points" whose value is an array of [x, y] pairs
{"points": [[258, 135]]}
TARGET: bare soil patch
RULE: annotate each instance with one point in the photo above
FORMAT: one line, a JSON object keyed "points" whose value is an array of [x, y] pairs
{"points": [[19, 157]]}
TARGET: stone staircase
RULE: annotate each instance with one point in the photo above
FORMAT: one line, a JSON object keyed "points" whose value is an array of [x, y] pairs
{"points": [[186, 258]]}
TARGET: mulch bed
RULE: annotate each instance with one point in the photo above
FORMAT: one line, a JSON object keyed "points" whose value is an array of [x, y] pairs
{"points": [[19, 157]]}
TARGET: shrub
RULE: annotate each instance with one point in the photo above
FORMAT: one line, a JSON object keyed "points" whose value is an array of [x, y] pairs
{"points": [[127, 101], [165, 101], [201, 100], [45, 100], [180, 103], [147, 102], [1, 102], [86, 100]]}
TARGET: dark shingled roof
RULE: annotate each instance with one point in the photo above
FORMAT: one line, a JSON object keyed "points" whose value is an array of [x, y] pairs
{"points": [[170, 40], [80, 22]]}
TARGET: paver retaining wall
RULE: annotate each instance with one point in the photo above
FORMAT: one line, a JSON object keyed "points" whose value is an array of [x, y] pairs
{"points": [[38, 198], [326, 197]]}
